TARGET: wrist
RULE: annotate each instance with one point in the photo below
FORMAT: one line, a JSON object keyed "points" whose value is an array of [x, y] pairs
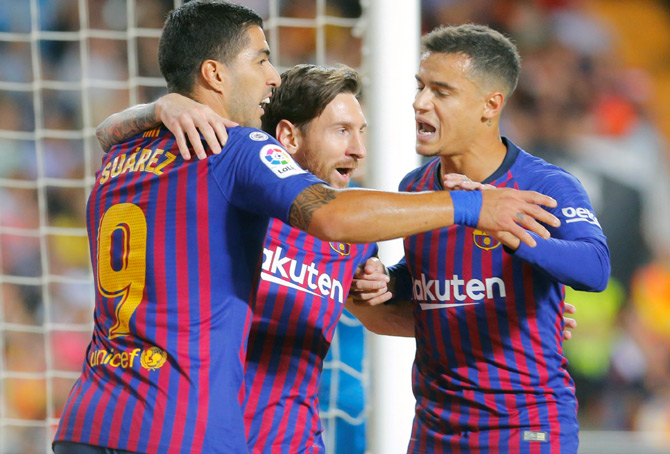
{"points": [[155, 111], [467, 206]]}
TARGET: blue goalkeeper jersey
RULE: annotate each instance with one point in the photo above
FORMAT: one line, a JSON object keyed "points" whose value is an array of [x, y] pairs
{"points": [[489, 374]]}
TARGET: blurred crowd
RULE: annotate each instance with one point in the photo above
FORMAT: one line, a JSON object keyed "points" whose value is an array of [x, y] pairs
{"points": [[588, 100]]}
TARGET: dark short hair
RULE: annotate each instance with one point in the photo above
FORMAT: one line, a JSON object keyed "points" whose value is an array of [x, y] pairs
{"points": [[494, 57], [201, 30], [304, 93]]}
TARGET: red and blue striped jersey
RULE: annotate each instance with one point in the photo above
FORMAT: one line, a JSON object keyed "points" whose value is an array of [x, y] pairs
{"points": [[489, 373], [304, 284], [176, 247]]}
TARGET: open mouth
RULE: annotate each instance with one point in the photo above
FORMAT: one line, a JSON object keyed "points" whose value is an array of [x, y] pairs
{"points": [[425, 129], [344, 171], [264, 103]]}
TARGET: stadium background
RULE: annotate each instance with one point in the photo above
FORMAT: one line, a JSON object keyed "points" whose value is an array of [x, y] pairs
{"points": [[593, 98]]}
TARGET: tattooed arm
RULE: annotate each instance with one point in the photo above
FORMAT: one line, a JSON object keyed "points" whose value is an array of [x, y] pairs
{"points": [[120, 126], [183, 116], [364, 216]]}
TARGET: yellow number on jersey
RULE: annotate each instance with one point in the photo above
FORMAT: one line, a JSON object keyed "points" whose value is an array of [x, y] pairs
{"points": [[127, 282]]}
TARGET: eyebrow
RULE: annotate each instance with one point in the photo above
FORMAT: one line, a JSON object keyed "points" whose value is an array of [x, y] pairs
{"points": [[435, 82], [350, 124]]}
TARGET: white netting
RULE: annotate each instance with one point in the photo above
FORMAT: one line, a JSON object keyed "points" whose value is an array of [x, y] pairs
{"points": [[67, 64]]}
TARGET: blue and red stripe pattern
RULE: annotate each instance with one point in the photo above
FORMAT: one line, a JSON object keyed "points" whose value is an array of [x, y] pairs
{"points": [[175, 248], [489, 373], [304, 284]]}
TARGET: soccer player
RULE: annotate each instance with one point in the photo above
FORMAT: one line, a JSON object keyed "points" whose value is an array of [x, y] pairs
{"points": [[175, 248], [489, 373], [304, 281]]}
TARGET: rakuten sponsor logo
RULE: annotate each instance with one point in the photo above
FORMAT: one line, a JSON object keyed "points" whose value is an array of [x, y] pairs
{"points": [[302, 277], [456, 290]]}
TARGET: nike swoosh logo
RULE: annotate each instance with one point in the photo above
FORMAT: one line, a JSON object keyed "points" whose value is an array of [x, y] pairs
{"points": [[270, 278], [430, 306]]}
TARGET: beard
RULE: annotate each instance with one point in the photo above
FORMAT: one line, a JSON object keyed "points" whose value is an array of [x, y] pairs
{"points": [[310, 161]]}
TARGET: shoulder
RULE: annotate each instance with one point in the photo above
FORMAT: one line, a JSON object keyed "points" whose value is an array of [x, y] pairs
{"points": [[159, 137], [421, 174], [248, 137], [536, 173], [243, 143]]}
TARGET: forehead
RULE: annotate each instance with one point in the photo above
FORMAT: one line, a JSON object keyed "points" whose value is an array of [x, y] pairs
{"points": [[441, 65], [255, 42], [344, 108]]}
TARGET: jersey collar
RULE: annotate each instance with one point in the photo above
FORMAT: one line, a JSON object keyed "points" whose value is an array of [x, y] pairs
{"points": [[510, 158]]}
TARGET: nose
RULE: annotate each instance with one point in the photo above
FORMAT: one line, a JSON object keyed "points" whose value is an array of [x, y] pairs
{"points": [[421, 100], [356, 147], [274, 79]]}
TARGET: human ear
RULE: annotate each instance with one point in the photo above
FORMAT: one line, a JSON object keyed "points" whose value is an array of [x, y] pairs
{"points": [[214, 75], [289, 136], [493, 105]]}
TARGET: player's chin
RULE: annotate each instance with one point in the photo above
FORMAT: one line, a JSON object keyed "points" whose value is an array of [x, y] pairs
{"points": [[426, 149], [256, 121]]}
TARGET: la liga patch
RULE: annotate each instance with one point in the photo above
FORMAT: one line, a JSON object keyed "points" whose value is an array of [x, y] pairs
{"points": [[258, 136], [279, 161]]}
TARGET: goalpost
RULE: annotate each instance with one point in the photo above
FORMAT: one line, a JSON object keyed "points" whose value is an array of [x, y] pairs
{"points": [[55, 87], [391, 62]]}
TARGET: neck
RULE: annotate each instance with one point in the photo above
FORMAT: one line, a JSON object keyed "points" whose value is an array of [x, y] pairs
{"points": [[212, 99], [477, 160]]}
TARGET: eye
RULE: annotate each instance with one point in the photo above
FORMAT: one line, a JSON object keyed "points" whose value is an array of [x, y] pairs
{"points": [[263, 61]]}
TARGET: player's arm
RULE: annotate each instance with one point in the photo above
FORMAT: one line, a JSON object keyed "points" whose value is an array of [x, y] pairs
{"points": [[575, 257], [363, 216], [371, 287], [388, 320], [577, 254], [183, 116], [583, 264]]}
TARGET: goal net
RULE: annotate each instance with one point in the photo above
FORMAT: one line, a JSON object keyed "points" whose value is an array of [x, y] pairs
{"points": [[68, 64]]}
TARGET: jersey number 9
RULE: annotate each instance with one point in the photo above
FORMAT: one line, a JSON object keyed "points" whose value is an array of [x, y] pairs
{"points": [[124, 226]]}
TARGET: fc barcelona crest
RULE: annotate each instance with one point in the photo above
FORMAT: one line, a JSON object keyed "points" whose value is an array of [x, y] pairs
{"points": [[484, 241], [341, 248]]}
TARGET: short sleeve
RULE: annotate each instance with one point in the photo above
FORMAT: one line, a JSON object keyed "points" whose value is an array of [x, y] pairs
{"points": [[256, 174]]}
